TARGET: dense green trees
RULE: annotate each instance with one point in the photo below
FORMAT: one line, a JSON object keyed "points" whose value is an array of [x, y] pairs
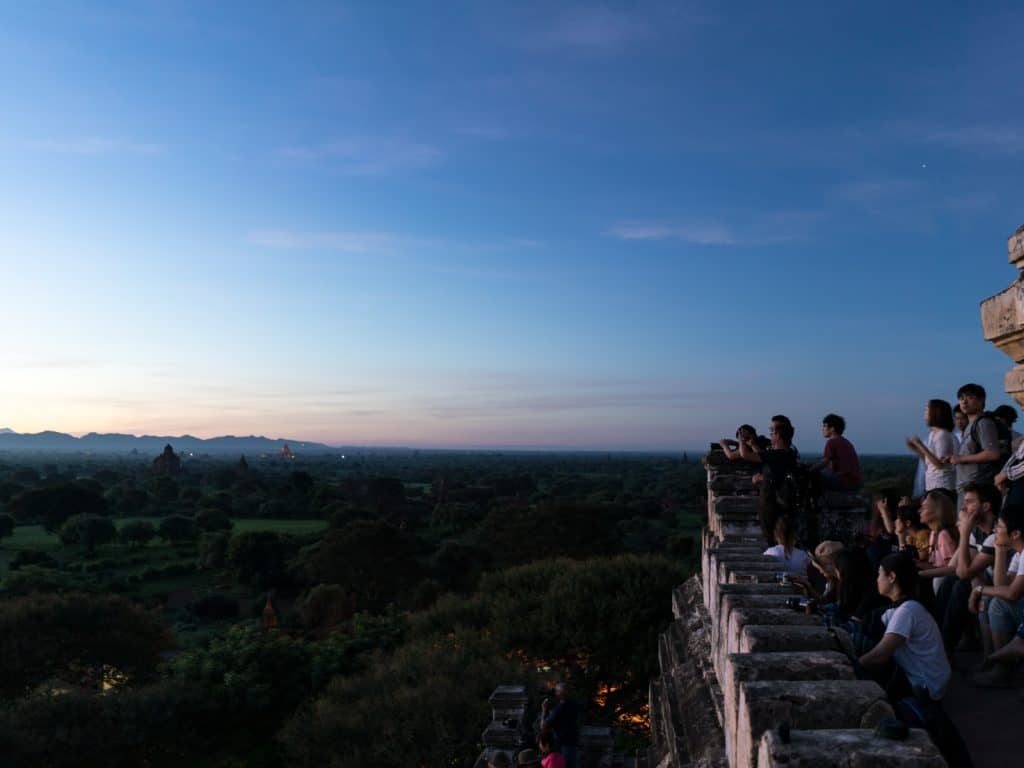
{"points": [[259, 558], [6, 525], [60, 637], [87, 531], [177, 528], [373, 560], [51, 506], [137, 532]]}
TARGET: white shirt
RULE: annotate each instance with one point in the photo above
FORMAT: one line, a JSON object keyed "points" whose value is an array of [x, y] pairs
{"points": [[922, 657], [797, 562], [941, 443], [1016, 567]]}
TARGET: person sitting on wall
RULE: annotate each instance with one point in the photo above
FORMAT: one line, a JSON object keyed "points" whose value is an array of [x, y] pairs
{"points": [[747, 446], [824, 582], [974, 557], [938, 513], [910, 661], [839, 466], [563, 719], [776, 479], [1001, 606], [794, 561]]}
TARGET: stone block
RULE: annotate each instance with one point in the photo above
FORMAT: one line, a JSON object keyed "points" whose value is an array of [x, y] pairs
{"points": [[729, 603], [1015, 248], [1002, 321], [738, 668], [732, 625], [806, 705], [847, 748], [756, 638], [720, 590]]}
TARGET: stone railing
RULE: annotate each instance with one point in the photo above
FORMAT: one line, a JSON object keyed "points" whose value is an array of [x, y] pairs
{"points": [[737, 663]]}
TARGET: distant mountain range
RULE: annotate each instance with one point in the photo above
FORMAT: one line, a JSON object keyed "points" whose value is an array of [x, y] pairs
{"points": [[59, 442]]}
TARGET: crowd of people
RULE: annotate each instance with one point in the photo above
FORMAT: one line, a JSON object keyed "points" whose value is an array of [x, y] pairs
{"points": [[933, 572]]}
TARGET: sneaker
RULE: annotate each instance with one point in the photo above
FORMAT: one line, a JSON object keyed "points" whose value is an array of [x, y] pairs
{"points": [[996, 676]]}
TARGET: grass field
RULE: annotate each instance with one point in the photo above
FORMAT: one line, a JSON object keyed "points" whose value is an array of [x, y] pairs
{"points": [[34, 537]]}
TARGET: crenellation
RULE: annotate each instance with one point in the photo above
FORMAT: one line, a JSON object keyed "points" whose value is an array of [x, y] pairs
{"points": [[738, 660]]}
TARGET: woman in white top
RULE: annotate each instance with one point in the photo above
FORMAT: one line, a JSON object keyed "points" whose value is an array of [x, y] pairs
{"points": [[793, 559], [938, 415], [912, 640]]}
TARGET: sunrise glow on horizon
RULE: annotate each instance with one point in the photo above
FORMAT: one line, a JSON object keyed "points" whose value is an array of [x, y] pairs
{"points": [[526, 225]]}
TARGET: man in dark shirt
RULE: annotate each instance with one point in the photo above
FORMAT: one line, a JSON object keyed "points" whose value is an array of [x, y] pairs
{"points": [[563, 719], [778, 463], [839, 465]]}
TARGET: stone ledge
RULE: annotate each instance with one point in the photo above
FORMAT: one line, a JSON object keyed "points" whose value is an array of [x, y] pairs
{"points": [[847, 748], [764, 639], [739, 668], [804, 704]]}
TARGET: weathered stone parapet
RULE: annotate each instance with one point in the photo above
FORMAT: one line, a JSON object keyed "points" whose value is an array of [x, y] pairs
{"points": [[740, 668], [804, 704], [738, 660], [847, 748], [1002, 319]]}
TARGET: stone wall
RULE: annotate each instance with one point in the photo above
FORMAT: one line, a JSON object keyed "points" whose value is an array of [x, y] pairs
{"points": [[737, 663]]}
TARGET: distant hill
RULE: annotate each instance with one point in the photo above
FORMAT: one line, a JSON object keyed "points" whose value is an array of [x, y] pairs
{"points": [[59, 442]]}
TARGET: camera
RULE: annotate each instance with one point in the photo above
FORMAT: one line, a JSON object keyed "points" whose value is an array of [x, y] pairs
{"points": [[797, 603]]}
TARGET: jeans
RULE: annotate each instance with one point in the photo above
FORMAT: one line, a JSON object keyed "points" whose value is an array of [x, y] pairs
{"points": [[951, 609]]}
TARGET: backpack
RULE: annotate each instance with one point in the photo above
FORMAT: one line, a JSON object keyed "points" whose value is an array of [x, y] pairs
{"points": [[991, 468]]}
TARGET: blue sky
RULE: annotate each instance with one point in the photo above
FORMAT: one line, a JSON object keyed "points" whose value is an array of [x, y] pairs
{"points": [[609, 226]]}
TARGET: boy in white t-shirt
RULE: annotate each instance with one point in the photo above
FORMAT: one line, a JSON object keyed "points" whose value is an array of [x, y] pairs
{"points": [[1001, 605]]}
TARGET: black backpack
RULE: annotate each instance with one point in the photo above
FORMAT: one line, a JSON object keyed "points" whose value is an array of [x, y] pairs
{"points": [[992, 468]]}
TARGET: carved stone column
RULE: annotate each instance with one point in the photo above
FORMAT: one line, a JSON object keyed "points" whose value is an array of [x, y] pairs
{"points": [[1002, 319]]}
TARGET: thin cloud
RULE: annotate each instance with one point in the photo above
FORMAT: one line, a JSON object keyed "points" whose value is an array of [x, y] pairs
{"points": [[1001, 139], [95, 146], [369, 157], [600, 29], [341, 241], [758, 228], [699, 234]]}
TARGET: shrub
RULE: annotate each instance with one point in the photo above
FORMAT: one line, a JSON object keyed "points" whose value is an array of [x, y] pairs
{"points": [[137, 532], [177, 528], [87, 531], [32, 557]]}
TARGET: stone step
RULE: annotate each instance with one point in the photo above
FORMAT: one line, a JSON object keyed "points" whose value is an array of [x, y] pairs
{"points": [[739, 668], [847, 748], [804, 704], [765, 639]]}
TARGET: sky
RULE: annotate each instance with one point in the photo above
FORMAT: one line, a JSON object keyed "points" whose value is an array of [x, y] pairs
{"points": [[610, 226]]}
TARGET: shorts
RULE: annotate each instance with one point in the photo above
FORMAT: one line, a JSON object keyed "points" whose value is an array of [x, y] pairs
{"points": [[1003, 616]]}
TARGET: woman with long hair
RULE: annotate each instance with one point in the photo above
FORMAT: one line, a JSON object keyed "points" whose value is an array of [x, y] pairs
{"points": [[793, 559], [938, 513], [940, 444]]}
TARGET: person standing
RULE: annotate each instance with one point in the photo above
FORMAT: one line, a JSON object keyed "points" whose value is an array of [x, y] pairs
{"points": [[940, 446], [977, 460], [563, 719]]}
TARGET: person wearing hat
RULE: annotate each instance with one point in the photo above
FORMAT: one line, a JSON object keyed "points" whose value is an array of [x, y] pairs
{"points": [[499, 760], [528, 757]]}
